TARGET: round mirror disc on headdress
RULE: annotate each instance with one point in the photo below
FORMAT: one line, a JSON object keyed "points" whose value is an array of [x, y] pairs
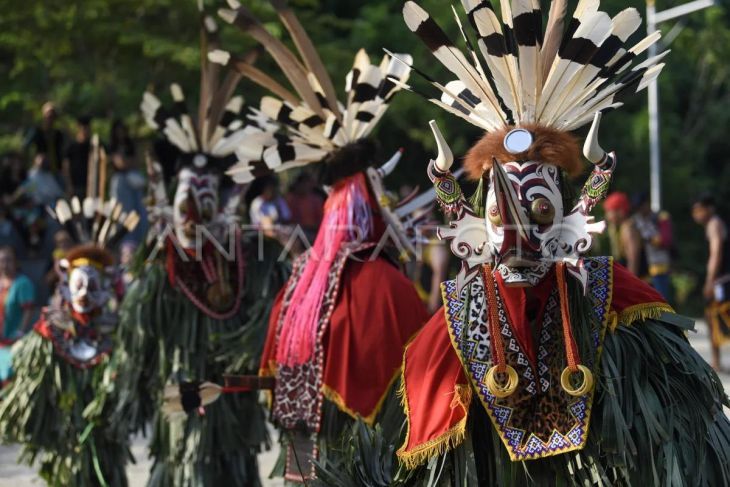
{"points": [[517, 141], [200, 160]]}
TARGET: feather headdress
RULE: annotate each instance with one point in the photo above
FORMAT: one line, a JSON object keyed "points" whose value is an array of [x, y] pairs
{"points": [[217, 128], [520, 75], [316, 124], [94, 221], [208, 140], [309, 125]]}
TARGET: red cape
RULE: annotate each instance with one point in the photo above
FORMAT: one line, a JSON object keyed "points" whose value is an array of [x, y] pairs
{"points": [[377, 312], [437, 393]]}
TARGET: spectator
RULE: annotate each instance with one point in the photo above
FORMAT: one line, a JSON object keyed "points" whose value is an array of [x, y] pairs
{"points": [[655, 231], [40, 189], [12, 174], [430, 273], [269, 207], [41, 186], [405, 191], [716, 289], [127, 184], [268, 210], [306, 204], [76, 162], [17, 306], [120, 143], [9, 235], [46, 140], [624, 240]]}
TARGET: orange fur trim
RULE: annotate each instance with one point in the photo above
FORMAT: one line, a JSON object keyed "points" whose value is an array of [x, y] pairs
{"points": [[549, 145]]}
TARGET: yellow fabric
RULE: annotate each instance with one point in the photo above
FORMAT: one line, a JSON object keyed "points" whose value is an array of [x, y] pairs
{"points": [[718, 315], [82, 261], [658, 269]]}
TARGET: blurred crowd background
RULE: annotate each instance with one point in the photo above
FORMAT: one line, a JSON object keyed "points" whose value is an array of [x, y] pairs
{"points": [[78, 70]]}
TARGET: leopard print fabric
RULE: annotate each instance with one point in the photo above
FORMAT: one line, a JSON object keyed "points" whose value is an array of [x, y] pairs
{"points": [[298, 391]]}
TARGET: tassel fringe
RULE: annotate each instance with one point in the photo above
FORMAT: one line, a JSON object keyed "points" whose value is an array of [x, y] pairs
{"points": [[445, 442], [639, 312]]}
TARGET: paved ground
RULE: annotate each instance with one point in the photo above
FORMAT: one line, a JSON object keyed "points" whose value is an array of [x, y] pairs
{"points": [[14, 475]]}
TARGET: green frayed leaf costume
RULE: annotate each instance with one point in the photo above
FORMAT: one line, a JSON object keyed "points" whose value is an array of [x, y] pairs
{"points": [[164, 337], [60, 415]]}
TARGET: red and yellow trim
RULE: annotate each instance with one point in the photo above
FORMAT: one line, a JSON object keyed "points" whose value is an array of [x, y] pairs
{"points": [[444, 442]]}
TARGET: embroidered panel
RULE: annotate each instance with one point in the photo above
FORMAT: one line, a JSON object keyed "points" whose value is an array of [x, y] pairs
{"points": [[539, 419]]}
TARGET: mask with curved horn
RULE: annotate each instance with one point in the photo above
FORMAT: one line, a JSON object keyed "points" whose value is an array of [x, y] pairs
{"points": [[591, 148], [390, 165], [596, 188], [445, 157]]}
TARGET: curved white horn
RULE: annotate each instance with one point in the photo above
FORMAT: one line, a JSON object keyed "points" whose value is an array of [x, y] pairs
{"points": [[390, 164], [591, 149], [445, 158]]}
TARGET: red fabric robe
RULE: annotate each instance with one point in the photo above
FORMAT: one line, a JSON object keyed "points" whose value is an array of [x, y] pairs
{"points": [[377, 312]]}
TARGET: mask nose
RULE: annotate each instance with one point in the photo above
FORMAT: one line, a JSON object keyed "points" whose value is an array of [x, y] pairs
{"points": [[83, 287], [515, 223]]}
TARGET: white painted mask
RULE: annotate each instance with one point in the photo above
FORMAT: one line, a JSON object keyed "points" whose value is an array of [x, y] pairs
{"points": [[524, 221], [196, 203], [86, 288]]}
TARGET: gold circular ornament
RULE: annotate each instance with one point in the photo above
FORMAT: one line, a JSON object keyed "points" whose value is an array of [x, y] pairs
{"points": [[501, 390], [494, 216], [584, 388], [219, 296], [542, 211]]}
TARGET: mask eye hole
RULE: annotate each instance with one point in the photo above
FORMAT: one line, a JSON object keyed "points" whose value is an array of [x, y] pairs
{"points": [[542, 211], [494, 216]]}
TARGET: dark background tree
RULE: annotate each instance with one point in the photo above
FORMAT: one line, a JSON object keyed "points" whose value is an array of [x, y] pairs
{"points": [[97, 57]]}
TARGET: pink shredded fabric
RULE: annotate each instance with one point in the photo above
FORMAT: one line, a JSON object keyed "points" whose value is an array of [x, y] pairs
{"points": [[347, 218]]}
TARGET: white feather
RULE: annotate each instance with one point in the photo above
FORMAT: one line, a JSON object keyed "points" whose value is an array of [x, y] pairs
{"points": [[455, 61]]}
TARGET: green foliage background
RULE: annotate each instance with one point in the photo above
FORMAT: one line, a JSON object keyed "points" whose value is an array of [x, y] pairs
{"points": [[97, 56]]}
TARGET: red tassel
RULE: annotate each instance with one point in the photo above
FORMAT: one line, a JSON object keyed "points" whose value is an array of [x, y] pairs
{"points": [[571, 349]]}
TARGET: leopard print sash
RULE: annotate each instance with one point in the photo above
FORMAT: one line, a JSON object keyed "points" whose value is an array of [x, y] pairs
{"points": [[298, 391]]}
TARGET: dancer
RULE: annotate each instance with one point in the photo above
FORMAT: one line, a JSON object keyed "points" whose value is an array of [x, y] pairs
{"points": [[52, 406], [546, 367], [338, 329], [200, 303]]}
